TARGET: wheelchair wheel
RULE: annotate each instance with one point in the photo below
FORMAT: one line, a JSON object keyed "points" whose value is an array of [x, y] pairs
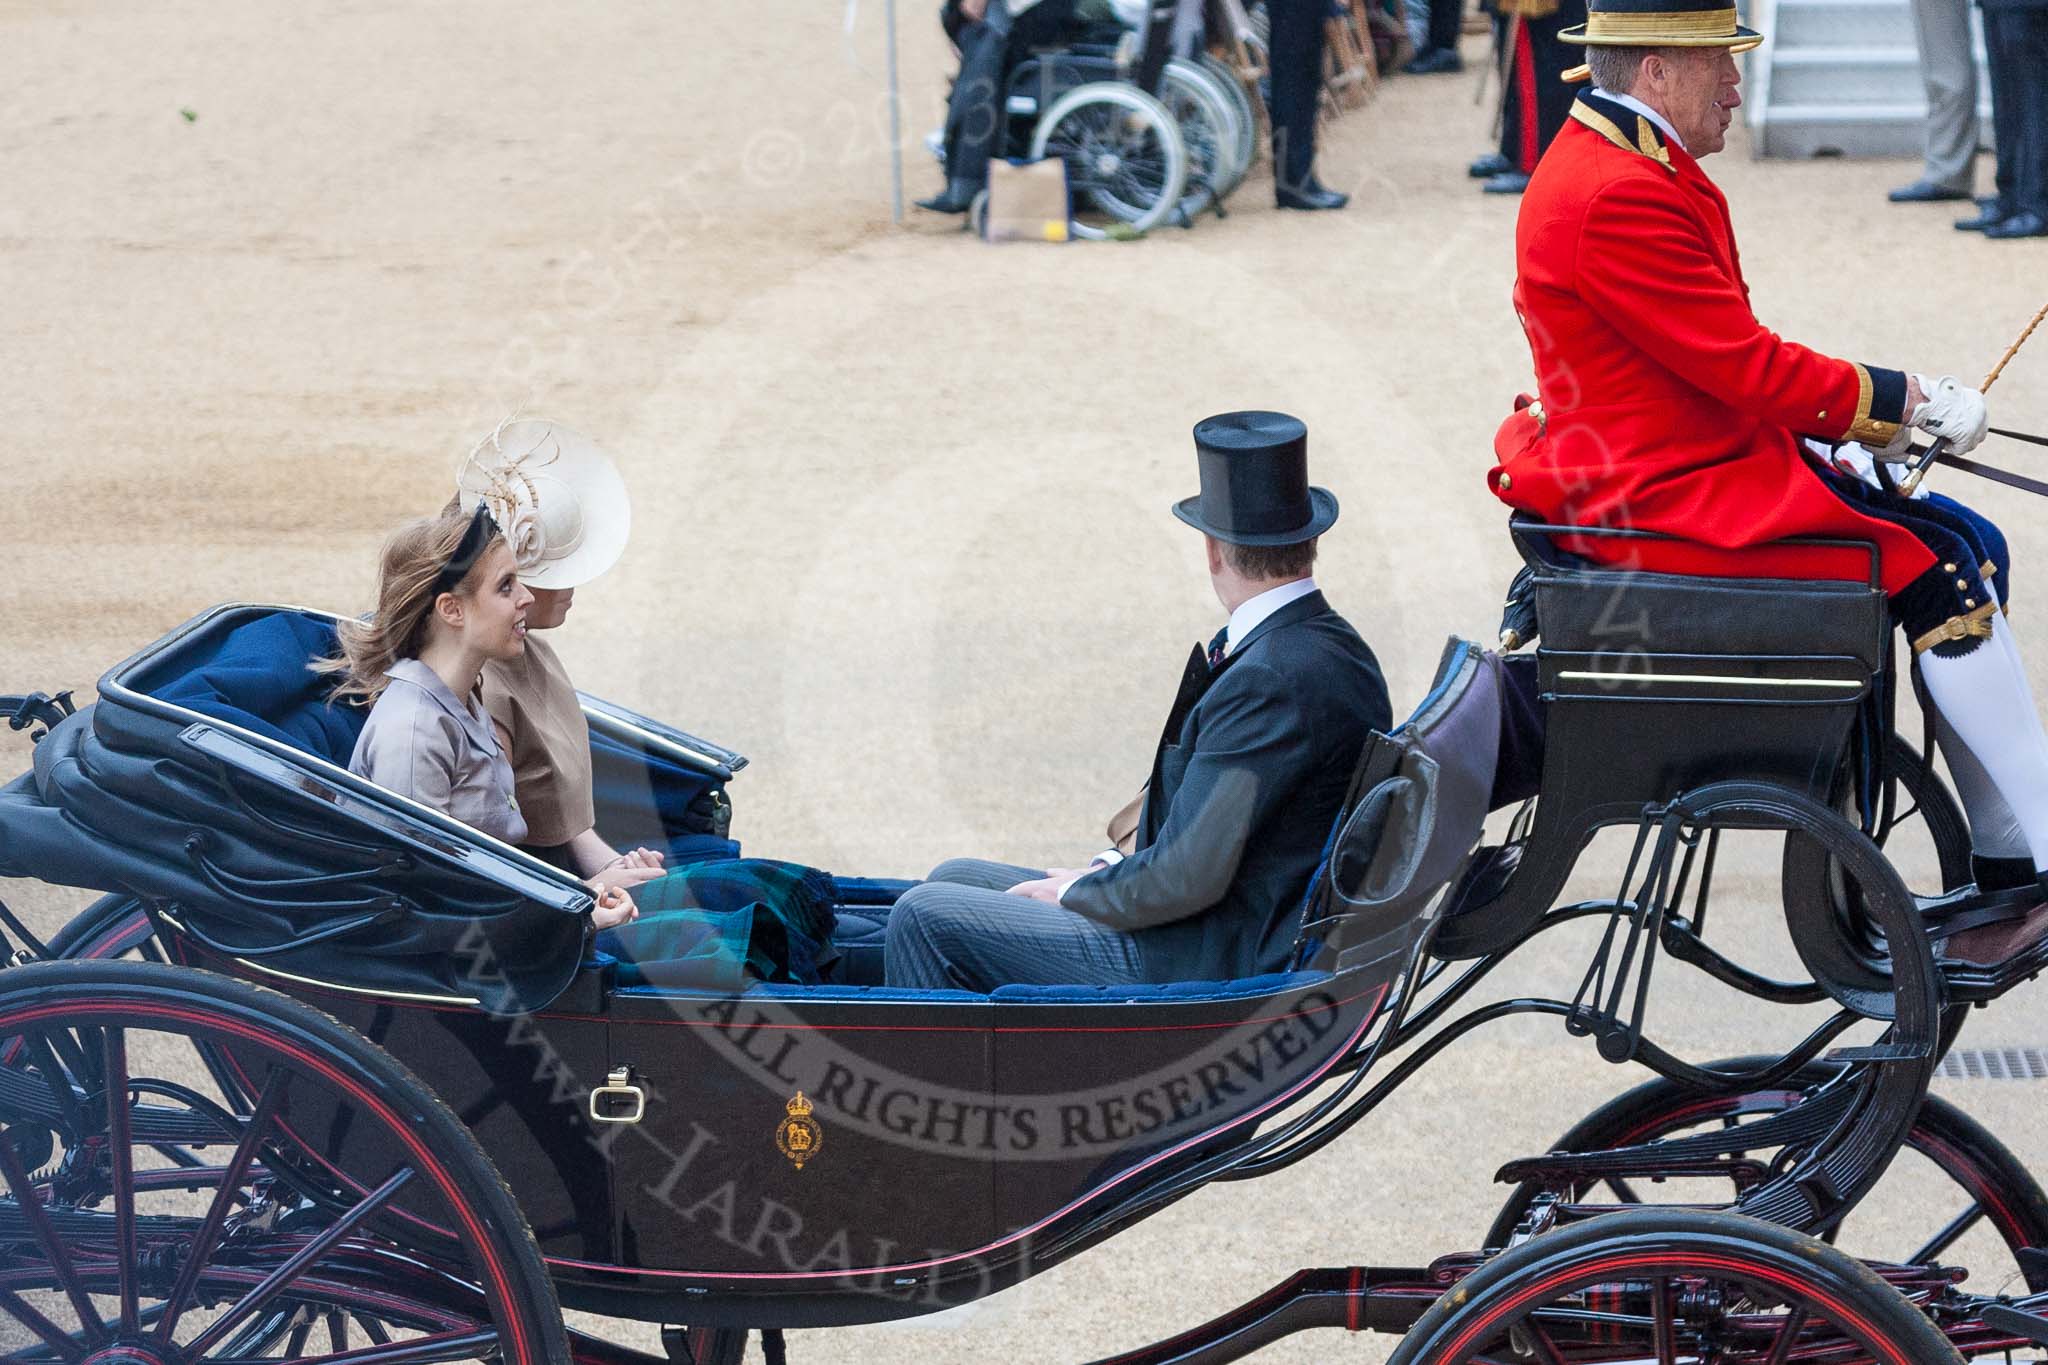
{"points": [[1247, 115], [1672, 1285], [1209, 126], [1124, 156], [1960, 1189], [197, 1169]]}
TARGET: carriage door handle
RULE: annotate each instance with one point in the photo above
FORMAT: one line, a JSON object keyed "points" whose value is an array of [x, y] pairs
{"points": [[618, 1100]]}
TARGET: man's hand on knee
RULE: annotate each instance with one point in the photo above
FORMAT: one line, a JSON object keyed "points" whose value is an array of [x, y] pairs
{"points": [[1046, 888]]}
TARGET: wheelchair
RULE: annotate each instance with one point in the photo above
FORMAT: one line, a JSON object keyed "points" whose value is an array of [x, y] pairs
{"points": [[322, 1060], [1148, 137]]}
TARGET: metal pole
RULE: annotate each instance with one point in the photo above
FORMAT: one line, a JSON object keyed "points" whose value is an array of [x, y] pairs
{"points": [[895, 119]]}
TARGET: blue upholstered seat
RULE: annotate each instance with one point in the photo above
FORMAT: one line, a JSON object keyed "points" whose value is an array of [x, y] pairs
{"points": [[257, 676]]}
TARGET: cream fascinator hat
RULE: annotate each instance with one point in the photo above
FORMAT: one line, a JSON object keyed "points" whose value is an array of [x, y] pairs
{"points": [[558, 497]]}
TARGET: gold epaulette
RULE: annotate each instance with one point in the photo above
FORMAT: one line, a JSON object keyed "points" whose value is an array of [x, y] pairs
{"points": [[1529, 9]]}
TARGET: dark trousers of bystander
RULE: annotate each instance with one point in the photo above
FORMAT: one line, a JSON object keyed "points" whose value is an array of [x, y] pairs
{"points": [[2016, 37], [1296, 49], [1538, 98], [1446, 19], [988, 50]]}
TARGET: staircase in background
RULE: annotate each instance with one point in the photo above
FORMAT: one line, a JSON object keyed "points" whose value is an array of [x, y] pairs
{"points": [[1841, 78]]}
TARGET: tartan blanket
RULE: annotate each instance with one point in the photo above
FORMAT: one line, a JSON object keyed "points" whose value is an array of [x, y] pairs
{"points": [[724, 924]]}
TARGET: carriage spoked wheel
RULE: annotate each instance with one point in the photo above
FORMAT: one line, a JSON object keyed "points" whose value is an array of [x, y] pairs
{"points": [[1671, 1285], [198, 1170], [1955, 1193], [1127, 165]]}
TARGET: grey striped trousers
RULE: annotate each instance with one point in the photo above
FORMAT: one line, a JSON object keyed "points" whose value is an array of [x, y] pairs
{"points": [[960, 930]]}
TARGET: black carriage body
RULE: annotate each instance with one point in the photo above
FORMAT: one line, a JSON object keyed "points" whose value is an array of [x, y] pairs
{"points": [[1650, 685], [801, 1156]]}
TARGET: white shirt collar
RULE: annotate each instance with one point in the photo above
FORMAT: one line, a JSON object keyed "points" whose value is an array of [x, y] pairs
{"points": [[1251, 612], [1631, 102]]}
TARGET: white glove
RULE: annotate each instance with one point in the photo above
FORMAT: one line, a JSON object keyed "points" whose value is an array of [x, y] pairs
{"points": [[1861, 461], [1854, 459], [1952, 411]]}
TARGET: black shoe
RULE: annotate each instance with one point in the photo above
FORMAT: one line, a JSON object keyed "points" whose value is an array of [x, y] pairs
{"points": [[2018, 225], [1489, 166], [1436, 61], [1309, 195], [957, 197], [1988, 215], [1507, 182], [1926, 192]]}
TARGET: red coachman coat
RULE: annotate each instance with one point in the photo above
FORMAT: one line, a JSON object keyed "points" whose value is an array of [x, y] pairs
{"points": [[1663, 404]]}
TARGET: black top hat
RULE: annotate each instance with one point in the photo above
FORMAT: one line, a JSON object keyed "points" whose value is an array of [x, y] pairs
{"points": [[1662, 23], [1255, 487]]}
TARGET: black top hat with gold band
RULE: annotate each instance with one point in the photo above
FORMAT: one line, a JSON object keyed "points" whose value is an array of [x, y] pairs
{"points": [[1659, 23]]}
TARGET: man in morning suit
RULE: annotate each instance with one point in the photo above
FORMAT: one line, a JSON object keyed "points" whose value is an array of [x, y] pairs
{"points": [[1665, 405], [1251, 769]]}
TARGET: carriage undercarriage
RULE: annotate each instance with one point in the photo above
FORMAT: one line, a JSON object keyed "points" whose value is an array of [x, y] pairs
{"points": [[200, 1168]]}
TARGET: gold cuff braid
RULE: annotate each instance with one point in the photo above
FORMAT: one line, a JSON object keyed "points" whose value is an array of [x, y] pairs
{"points": [[1976, 623]]}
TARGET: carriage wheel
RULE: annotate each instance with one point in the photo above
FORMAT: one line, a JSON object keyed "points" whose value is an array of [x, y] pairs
{"points": [[1673, 1285], [1991, 1187], [159, 1212], [1124, 156], [111, 927]]}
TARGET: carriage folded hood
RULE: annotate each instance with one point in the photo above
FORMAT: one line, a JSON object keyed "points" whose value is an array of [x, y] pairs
{"points": [[248, 843]]}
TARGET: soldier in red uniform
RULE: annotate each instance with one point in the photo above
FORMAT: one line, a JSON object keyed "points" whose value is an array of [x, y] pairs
{"points": [[1665, 405]]}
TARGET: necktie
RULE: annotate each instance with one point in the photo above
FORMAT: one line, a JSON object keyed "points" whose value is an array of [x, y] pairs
{"points": [[1216, 647]]}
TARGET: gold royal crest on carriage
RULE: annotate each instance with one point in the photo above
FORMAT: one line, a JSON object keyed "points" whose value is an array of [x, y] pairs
{"points": [[799, 1137]]}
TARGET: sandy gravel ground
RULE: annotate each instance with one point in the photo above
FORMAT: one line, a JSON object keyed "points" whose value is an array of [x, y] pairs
{"points": [[901, 499]]}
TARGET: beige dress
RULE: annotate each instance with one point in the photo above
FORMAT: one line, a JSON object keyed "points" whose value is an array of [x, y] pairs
{"points": [[533, 702]]}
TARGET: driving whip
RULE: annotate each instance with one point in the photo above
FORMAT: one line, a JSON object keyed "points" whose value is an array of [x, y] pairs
{"points": [[1921, 463]]}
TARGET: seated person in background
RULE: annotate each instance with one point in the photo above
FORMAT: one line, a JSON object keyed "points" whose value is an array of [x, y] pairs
{"points": [[1251, 771], [449, 602], [448, 599], [991, 34]]}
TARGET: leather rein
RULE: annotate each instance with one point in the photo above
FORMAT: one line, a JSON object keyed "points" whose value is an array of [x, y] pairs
{"points": [[1992, 472]]}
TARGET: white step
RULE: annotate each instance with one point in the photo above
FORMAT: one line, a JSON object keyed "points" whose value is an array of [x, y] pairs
{"points": [[1845, 75], [1837, 130], [1826, 23], [1840, 78]]}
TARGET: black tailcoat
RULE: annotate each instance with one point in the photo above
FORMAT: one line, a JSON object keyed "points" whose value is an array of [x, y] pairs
{"points": [[1250, 773]]}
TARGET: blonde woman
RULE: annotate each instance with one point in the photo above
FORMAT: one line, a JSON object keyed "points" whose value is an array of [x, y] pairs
{"points": [[449, 600]]}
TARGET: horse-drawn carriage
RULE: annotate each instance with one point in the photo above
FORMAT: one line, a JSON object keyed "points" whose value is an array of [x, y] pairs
{"points": [[371, 1098]]}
